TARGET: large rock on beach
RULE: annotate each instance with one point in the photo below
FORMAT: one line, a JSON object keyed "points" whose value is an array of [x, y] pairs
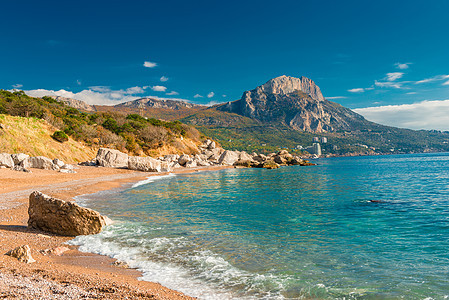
{"points": [[229, 157], [111, 158], [145, 164], [22, 253], [62, 217], [18, 158], [40, 162], [6, 160]]}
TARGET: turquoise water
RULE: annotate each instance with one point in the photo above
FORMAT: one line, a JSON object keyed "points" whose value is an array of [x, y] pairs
{"points": [[294, 232]]}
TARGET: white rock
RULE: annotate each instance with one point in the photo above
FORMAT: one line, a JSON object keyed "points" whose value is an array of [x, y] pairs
{"points": [[6, 160], [229, 157], [145, 164], [19, 157], [41, 162], [111, 158]]}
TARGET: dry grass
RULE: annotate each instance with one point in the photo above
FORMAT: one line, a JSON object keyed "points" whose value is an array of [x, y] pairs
{"points": [[32, 136]]}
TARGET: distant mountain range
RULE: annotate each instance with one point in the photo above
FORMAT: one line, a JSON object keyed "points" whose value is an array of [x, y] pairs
{"points": [[285, 112]]}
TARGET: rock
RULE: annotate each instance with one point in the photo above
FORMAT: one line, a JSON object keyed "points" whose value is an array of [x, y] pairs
{"points": [[229, 157], [270, 165], [144, 164], [120, 264], [66, 171], [19, 158], [183, 159], [62, 217], [91, 163], [260, 158], [175, 165], [211, 145], [58, 162], [40, 162], [243, 163], [245, 156], [22, 253], [191, 164], [171, 157], [68, 167], [203, 163], [166, 166], [6, 160], [20, 169], [55, 251], [111, 158]]}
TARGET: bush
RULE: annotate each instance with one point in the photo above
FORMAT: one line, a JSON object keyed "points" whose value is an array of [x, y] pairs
{"points": [[60, 136]]}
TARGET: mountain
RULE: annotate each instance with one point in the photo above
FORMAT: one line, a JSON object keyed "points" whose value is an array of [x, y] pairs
{"points": [[78, 104], [297, 103], [156, 108]]}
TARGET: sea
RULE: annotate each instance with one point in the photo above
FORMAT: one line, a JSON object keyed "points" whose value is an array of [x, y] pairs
{"points": [[372, 227]]}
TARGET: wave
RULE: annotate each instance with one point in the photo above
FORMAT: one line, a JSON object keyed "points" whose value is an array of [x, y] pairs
{"points": [[151, 179]]}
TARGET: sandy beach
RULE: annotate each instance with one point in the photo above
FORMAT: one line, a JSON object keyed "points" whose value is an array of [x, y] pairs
{"points": [[74, 274]]}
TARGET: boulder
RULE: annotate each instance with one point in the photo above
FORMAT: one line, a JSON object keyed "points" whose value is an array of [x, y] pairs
{"points": [[67, 171], [166, 166], [270, 165], [62, 217], [183, 159], [18, 158], [260, 158], [245, 156], [144, 164], [22, 253], [20, 169], [6, 160], [40, 162], [171, 157], [191, 164], [211, 145], [58, 251], [111, 158], [229, 157], [58, 162]]}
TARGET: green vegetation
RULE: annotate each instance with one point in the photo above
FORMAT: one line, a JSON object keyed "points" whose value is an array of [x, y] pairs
{"points": [[60, 136], [131, 133]]}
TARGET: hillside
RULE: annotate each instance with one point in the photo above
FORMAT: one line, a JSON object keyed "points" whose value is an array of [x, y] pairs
{"points": [[32, 136], [130, 133]]}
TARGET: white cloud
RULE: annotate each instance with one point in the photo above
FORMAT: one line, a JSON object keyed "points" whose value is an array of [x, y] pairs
{"points": [[197, 96], [402, 66], [135, 90], [422, 115], [387, 84], [159, 88], [17, 86], [163, 79], [357, 90], [446, 83], [224, 96], [78, 82], [149, 64], [432, 79], [172, 93], [394, 75], [412, 93], [336, 97], [210, 95]]}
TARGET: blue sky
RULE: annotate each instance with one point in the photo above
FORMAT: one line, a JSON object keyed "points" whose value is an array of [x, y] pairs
{"points": [[363, 54]]}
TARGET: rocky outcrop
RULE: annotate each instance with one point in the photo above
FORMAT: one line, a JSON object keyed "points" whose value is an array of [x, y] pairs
{"points": [[147, 164], [41, 162], [157, 103], [22, 253], [294, 102], [111, 158], [62, 217], [19, 158], [6, 160], [229, 158], [78, 104]]}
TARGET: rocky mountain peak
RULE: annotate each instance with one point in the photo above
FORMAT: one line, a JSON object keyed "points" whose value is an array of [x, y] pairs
{"points": [[284, 85]]}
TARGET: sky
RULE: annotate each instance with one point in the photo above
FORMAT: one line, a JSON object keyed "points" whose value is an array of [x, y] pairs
{"points": [[387, 60]]}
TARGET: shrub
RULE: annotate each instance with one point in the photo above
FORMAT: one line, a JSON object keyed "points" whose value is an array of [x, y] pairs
{"points": [[60, 136]]}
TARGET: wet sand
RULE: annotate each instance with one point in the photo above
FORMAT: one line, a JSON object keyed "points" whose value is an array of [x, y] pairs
{"points": [[73, 275]]}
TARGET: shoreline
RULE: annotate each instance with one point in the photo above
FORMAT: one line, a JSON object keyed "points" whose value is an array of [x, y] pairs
{"points": [[89, 275]]}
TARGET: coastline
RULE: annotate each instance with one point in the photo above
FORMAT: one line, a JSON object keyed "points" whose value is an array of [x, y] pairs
{"points": [[75, 273]]}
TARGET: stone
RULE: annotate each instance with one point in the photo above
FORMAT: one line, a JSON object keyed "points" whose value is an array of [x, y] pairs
{"points": [[67, 171], [111, 158], [171, 157], [270, 165], [6, 160], [211, 145], [58, 162], [18, 158], [191, 164], [40, 162], [183, 159], [120, 264], [144, 164], [20, 169], [166, 166], [229, 157], [62, 217], [245, 156], [55, 251], [22, 253], [260, 158]]}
